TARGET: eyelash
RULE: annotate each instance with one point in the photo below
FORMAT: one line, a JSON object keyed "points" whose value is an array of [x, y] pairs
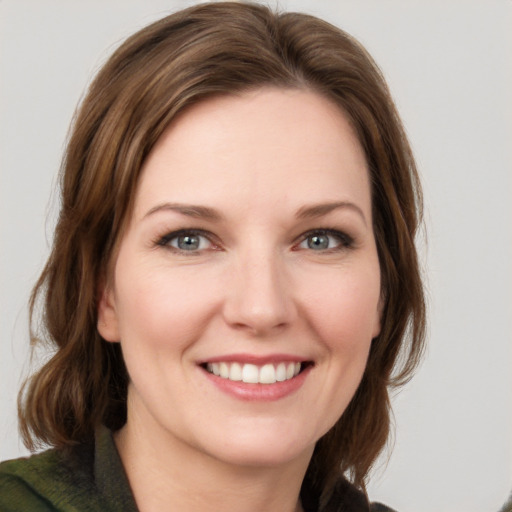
{"points": [[164, 241], [345, 240]]}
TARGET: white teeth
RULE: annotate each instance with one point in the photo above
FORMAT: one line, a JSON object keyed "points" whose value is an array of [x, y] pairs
{"points": [[281, 372], [253, 374], [235, 372], [224, 370], [267, 374], [250, 373]]}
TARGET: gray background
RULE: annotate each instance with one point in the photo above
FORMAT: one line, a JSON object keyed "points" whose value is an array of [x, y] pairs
{"points": [[449, 66]]}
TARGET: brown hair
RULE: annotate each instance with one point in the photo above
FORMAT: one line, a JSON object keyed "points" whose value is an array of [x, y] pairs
{"points": [[206, 50]]}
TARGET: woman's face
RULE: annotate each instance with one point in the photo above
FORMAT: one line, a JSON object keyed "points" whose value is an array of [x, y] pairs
{"points": [[246, 288]]}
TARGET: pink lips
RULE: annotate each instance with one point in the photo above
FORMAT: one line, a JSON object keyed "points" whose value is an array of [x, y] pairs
{"points": [[229, 378]]}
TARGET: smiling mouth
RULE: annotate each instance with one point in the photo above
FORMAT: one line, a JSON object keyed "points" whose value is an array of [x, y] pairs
{"points": [[256, 374]]}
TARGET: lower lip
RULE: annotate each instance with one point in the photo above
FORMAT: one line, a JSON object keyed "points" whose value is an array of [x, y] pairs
{"points": [[259, 392]]}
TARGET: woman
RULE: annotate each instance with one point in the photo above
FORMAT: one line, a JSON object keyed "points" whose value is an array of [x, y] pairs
{"points": [[232, 278]]}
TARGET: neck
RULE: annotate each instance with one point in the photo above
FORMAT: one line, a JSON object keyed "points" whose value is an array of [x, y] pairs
{"points": [[166, 474]]}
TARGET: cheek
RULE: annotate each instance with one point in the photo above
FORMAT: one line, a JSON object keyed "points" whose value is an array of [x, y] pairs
{"points": [[156, 306], [344, 307]]}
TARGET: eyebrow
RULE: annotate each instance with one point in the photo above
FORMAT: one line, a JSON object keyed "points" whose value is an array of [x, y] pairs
{"points": [[190, 210], [319, 210], [205, 212]]}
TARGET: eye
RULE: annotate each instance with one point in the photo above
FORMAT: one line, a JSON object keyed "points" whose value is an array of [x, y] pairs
{"points": [[186, 241], [325, 240]]}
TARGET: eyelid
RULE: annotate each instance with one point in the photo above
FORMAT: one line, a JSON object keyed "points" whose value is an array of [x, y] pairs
{"points": [[164, 241], [346, 240]]}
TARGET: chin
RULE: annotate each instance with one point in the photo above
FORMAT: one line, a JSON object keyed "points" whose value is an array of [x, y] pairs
{"points": [[259, 457], [261, 447]]}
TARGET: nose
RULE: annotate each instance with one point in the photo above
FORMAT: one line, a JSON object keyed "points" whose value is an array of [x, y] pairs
{"points": [[259, 296]]}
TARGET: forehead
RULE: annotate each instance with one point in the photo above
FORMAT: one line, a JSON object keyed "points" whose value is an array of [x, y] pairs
{"points": [[281, 145]]}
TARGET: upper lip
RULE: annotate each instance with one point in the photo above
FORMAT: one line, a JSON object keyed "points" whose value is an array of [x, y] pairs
{"points": [[258, 360]]}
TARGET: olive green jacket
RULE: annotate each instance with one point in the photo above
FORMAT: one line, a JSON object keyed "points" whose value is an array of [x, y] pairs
{"points": [[91, 477]]}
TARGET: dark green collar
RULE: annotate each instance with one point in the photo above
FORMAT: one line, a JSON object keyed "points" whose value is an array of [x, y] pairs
{"points": [[109, 475]]}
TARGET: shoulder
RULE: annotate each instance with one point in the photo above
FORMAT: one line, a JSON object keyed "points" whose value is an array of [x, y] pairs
{"points": [[344, 497], [379, 507], [348, 497], [49, 481], [16, 494], [24, 483]]}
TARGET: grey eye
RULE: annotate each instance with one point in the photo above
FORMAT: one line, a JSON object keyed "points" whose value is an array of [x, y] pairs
{"points": [[318, 242], [325, 240], [189, 242]]}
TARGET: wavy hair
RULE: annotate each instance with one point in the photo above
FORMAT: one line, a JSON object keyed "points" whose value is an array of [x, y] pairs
{"points": [[203, 51]]}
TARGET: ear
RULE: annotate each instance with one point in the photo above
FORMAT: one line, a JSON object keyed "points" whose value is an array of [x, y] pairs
{"points": [[107, 324]]}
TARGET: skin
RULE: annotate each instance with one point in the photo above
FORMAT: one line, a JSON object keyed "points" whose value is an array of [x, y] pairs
{"points": [[256, 285]]}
